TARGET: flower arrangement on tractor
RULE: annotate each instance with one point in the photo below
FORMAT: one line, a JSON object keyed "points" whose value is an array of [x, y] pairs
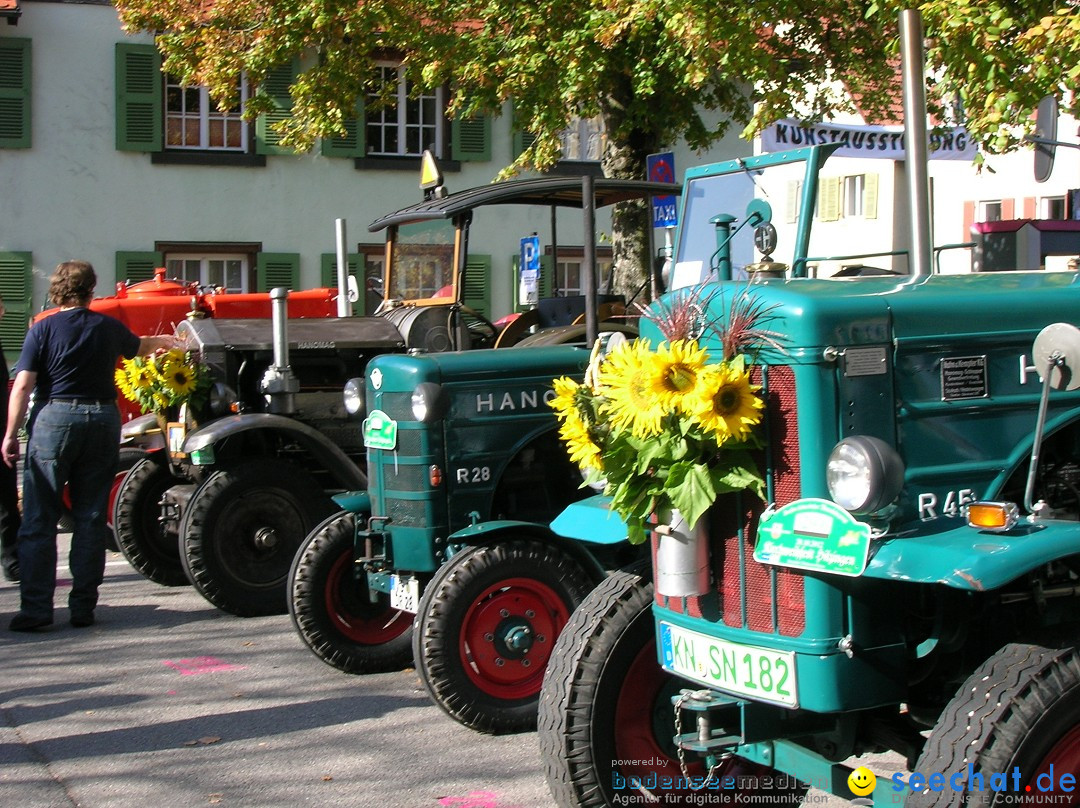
{"points": [[668, 428], [164, 381]]}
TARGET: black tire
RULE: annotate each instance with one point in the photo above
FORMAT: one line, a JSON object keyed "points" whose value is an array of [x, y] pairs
{"points": [[1019, 711], [148, 547], [128, 457], [242, 529], [476, 606], [606, 699], [333, 612]]}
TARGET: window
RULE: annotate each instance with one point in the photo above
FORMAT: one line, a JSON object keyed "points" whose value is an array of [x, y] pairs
{"points": [[568, 275], [193, 120], [990, 211], [584, 139], [854, 190], [1053, 207], [409, 122], [228, 272]]}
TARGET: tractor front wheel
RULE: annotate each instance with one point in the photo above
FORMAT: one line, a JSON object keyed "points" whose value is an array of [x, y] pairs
{"points": [[606, 716], [334, 611], [152, 550], [486, 626], [242, 529], [1018, 712]]}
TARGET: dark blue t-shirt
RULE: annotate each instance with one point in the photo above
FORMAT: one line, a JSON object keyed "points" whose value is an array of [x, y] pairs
{"points": [[74, 354]]}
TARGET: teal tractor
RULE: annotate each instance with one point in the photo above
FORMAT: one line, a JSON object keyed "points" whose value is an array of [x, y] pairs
{"points": [[910, 583], [455, 439]]}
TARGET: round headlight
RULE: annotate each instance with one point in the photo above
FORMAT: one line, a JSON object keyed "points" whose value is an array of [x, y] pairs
{"points": [[353, 396], [864, 474], [223, 399], [428, 402]]}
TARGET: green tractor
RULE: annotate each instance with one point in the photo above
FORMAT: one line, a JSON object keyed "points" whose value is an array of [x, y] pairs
{"points": [[453, 439], [909, 583]]}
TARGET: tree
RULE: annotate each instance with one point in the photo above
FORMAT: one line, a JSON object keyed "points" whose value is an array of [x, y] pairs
{"points": [[653, 70]]}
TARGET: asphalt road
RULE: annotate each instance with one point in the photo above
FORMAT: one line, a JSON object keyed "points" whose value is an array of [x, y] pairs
{"points": [[169, 703]]}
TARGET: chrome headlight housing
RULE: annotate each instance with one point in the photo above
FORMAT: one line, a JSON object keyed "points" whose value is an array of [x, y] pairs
{"points": [[353, 396], [864, 474], [428, 402], [223, 399]]}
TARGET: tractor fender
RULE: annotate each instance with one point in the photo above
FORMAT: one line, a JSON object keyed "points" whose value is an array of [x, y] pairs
{"points": [[144, 431], [329, 454], [499, 529], [353, 501], [971, 559]]}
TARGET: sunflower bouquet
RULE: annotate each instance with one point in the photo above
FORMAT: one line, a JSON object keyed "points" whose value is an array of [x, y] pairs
{"points": [[164, 380], [667, 427]]}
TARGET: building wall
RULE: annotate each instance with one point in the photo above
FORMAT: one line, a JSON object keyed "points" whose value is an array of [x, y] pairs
{"points": [[74, 195]]}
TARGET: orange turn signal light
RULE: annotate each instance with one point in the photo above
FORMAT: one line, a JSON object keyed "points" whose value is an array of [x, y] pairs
{"points": [[997, 516]]}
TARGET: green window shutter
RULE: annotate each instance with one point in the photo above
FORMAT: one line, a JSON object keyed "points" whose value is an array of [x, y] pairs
{"points": [[17, 287], [278, 269], [352, 143], [15, 64], [138, 98], [328, 275], [137, 266], [470, 138], [477, 292], [520, 139], [547, 277], [276, 86]]}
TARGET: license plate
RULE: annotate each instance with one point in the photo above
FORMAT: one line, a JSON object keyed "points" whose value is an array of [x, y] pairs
{"points": [[404, 593], [756, 673]]}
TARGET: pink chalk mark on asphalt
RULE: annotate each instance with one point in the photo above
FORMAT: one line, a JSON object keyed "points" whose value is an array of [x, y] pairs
{"points": [[474, 799], [203, 664]]}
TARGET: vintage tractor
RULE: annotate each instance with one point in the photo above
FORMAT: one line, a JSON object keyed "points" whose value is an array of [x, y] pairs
{"points": [[914, 568], [254, 475], [456, 438]]}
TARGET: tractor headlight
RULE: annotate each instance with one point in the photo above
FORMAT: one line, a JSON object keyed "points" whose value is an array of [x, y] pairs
{"points": [[864, 474], [353, 396], [223, 400], [428, 402]]}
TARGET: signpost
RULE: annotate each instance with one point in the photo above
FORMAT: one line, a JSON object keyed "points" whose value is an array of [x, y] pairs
{"points": [[529, 267], [661, 168]]}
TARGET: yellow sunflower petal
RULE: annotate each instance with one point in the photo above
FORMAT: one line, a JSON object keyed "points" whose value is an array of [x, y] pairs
{"points": [[628, 383], [727, 403]]}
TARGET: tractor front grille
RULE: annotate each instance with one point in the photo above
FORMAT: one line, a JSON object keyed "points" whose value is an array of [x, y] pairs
{"points": [[750, 595]]}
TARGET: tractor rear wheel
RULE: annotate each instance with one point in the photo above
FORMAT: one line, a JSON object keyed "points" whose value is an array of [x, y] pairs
{"points": [[486, 626], [607, 699], [1018, 712], [242, 529], [153, 551], [333, 610]]}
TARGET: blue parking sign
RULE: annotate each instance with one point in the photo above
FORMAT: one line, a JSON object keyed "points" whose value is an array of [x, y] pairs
{"points": [[661, 168], [530, 254]]}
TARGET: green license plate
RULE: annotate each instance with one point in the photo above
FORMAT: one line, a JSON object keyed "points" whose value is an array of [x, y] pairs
{"points": [[756, 673]]}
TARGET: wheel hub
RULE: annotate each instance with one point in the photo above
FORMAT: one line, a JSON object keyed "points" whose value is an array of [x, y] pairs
{"points": [[513, 638], [266, 538]]}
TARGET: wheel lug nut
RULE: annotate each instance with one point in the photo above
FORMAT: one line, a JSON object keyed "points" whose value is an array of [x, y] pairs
{"points": [[529, 613], [525, 663], [504, 613], [489, 638], [499, 662]]}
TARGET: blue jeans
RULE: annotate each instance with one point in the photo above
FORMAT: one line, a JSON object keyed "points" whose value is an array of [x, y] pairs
{"points": [[75, 445]]}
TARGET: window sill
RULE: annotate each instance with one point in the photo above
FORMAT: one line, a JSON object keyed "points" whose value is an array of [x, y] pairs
{"points": [[208, 158], [402, 164]]}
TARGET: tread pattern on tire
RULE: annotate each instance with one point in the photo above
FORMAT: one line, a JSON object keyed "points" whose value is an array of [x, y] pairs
{"points": [[992, 712], [575, 668], [128, 524], [306, 606], [436, 655]]}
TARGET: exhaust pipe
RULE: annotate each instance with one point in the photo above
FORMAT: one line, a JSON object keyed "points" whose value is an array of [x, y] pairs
{"points": [[279, 385], [915, 163]]}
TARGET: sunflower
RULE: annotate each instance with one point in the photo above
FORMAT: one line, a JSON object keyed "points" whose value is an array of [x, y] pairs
{"points": [[628, 380], [579, 443], [179, 378], [726, 403], [566, 390], [678, 367]]}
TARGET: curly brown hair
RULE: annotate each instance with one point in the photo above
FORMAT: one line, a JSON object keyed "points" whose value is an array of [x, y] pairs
{"points": [[72, 284]]}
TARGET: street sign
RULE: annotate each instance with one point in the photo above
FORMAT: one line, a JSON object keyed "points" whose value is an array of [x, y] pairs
{"points": [[529, 269], [661, 168], [530, 254]]}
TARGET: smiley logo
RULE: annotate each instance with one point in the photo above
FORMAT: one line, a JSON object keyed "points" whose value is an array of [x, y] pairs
{"points": [[862, 781]]}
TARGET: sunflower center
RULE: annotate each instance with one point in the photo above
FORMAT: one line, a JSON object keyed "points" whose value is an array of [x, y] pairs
{"points": [[727, 400], [680, 378]]}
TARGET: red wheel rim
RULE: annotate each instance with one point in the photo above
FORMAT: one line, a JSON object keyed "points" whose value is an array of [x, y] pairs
{"points": [[354, 615], [1063, 758], [507, 636], [118, 480]]}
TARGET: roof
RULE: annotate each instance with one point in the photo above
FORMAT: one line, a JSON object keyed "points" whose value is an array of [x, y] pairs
{"points": [[10, 9], [562, 191]]}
